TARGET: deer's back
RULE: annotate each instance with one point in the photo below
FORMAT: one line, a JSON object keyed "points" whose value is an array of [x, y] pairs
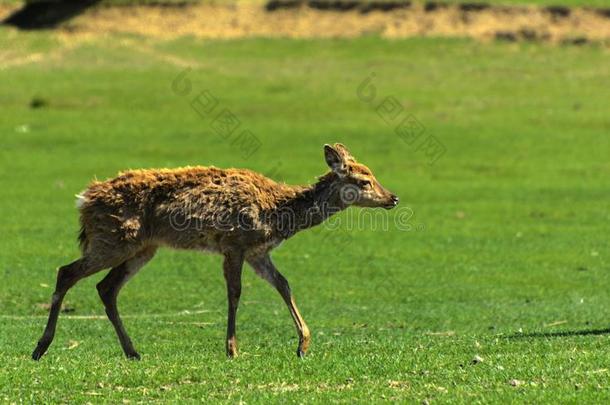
{"points": [[194, 207]]}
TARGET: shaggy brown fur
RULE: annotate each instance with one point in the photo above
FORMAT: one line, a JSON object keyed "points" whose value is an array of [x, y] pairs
{"points": [[235, 212], [187, 208]]}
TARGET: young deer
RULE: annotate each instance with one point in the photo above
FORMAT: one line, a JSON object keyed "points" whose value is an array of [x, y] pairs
{"points": [[237, 213]]}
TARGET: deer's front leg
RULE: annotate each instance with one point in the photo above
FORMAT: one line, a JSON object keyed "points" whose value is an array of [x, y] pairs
{"points": [[232, 271], [264, 267]]}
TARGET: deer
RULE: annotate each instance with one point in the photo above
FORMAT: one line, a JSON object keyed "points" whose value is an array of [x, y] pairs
{"points": [[237, 213]]}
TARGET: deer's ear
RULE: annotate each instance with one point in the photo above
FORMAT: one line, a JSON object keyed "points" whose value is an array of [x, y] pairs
{"points": [[342, 149], [335, 160]]}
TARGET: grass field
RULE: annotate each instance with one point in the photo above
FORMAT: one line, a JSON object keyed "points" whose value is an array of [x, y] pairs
{"points": [[570, 3], [507, 258]]}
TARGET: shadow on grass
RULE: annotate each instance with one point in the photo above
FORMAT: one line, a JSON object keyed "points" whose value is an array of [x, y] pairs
{"points": [[567, 333], [45, 14]]}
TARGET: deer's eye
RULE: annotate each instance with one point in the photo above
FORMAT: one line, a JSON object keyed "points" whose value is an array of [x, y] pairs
{"points": [[365, 183]]}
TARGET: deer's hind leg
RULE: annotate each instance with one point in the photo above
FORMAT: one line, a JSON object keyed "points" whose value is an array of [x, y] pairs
{"points": [[67, 277], [109, 288], [232, 267]]}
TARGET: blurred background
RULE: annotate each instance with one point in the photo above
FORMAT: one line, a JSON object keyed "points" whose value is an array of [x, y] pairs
{"points": [[490, 119]]}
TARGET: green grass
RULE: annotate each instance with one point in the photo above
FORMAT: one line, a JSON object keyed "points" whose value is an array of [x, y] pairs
{"points": [[514, 215]]}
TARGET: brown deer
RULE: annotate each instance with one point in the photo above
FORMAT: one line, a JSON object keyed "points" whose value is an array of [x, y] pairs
{"points": [[237, 213]]}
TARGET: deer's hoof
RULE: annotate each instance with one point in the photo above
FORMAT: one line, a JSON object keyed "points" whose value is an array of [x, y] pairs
{"points": [[37, 354], [133, 356], [39, 351], [303, 346], [231, 348]]}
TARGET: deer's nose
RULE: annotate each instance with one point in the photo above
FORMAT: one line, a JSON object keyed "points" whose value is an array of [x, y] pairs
{"points": [[395, 199]]}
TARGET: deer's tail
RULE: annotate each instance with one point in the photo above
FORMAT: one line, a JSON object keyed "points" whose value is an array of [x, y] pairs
{"points": [[83, 240]]}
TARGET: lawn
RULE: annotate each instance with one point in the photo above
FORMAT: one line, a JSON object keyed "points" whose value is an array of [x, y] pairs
{"points": [[569, 3], [506, 257]]}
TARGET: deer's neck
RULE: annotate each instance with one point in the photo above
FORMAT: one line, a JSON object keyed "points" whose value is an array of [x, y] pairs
{"points": [[310, 206]]}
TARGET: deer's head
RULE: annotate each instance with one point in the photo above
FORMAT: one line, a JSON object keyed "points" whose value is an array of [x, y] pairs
{"points": [[356, 183]]}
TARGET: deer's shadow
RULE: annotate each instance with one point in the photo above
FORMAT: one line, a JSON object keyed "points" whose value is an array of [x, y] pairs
{"points": [[560, 334]]}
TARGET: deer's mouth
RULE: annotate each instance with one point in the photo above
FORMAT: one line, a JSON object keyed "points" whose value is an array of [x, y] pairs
{"points": [[392, 203]]}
